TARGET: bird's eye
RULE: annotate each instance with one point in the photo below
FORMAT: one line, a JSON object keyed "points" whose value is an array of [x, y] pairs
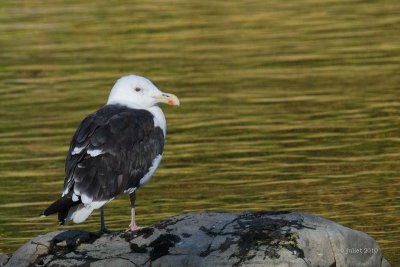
{"points": [[137, 89]]}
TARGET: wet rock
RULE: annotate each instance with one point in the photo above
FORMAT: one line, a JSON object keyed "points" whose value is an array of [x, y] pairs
{"points": [[210, 239]]}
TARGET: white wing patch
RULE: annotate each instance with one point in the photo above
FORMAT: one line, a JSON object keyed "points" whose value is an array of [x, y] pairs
{"points": [[91, 152], [130, 190], [95, 152], [152, 170], [74, 198], [77, 150]]}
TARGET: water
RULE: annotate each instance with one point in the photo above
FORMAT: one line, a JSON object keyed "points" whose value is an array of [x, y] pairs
{"points": [[286, 105]]}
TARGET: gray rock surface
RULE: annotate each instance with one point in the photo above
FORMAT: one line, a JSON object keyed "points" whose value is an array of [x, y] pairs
{"points": [[210, 239], [3, 259]]}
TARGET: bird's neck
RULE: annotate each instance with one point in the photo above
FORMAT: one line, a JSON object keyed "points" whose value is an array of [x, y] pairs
{"points": [[123, 102], [159, 118]]}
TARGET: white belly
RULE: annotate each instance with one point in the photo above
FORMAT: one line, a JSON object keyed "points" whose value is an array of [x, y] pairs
{"points": [[152, 170]]}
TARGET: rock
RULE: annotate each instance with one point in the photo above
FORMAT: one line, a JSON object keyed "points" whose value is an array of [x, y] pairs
{"points": [[44, 248], [3, 259], [210, 239]]}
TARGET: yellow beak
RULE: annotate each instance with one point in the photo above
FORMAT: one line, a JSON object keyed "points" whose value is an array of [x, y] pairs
{"points": [[169, 99]]}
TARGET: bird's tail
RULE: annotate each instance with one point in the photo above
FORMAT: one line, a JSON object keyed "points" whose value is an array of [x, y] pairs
{"points": [[63, 206]]}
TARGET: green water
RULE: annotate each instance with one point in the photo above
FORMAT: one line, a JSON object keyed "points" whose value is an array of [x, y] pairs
{"points": [[285, 105]]}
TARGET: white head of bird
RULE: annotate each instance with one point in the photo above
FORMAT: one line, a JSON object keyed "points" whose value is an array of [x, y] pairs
{"points": [[138, 92]]}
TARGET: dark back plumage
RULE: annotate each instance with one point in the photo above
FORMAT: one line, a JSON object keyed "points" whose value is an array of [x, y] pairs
{"points": [[111, 151]]}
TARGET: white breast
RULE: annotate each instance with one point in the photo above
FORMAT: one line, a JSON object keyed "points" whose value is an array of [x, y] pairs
{"points": [[159, 118], [159, 121]]}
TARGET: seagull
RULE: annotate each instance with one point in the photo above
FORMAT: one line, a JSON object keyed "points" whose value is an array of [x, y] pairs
{"points": [[115, 150]]}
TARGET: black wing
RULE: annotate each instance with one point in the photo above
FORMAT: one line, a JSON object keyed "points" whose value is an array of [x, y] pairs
{"points": [[111, 151]]}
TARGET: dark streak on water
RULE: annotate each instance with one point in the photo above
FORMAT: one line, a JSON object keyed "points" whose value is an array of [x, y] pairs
{"points": [[286, 105]]}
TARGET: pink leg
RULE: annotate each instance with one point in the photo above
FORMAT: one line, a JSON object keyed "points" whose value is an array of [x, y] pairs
{"points": [[133, 227]]}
